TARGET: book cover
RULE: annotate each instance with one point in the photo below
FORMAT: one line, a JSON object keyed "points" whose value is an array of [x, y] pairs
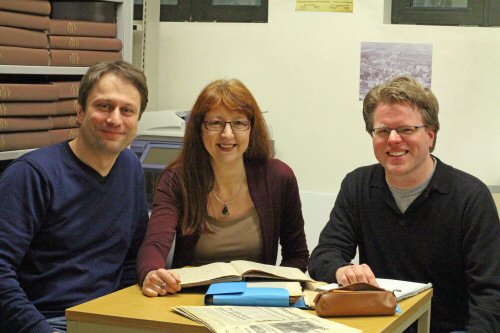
{"points": [[26, 6], [82, 28], [19, 124], [85, 43], [64, 121], [24, 140], [28, 92], [239, 293], [64, 134], [66, 106], [23, 124], [16, 109], [35, 139], [12, 55], [67, 89], [81, 58], [22, 20], [23, 38]]}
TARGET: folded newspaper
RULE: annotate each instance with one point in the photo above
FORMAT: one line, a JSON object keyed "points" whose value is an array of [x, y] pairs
{"points": [[251, 319]]}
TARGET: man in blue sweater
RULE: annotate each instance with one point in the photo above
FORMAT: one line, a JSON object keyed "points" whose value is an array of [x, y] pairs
{"points": [[414, 217], [73, 215]]}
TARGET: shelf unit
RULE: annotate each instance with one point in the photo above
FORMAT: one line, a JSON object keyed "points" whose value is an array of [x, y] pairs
{"points": [[124, 17]]}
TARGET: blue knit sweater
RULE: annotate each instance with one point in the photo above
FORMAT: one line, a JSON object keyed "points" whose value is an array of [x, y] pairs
{"points": [[67, 235]]}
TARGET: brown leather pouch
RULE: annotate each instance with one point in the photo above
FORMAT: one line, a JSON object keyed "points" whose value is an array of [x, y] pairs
{"points": [[357, 299]]}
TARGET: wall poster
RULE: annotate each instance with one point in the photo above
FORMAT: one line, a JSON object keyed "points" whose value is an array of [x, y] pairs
{"points": [[345, 6], [382, 61]]}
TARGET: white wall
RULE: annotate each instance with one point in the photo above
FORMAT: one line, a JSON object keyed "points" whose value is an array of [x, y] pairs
{"points": [[304, 69]]}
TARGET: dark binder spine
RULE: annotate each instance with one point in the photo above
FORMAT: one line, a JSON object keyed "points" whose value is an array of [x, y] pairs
{"points": [[96, 11]]}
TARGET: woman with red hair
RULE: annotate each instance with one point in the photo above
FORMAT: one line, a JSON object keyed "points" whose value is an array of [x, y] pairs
{"points": [[225, 197]]}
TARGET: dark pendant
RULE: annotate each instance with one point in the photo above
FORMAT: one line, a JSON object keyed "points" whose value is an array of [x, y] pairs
{"points": [[225, 211]]}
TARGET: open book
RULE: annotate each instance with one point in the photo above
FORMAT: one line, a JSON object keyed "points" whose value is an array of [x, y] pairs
{"points": [[402, 289], [236, 270]]}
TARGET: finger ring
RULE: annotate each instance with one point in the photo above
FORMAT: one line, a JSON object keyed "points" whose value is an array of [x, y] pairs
{"points": [[162, 286]]}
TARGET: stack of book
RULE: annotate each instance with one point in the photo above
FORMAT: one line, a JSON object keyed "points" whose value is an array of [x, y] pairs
{"points": [[33, 115], [23, 37], [58, 33], [83, 33]]}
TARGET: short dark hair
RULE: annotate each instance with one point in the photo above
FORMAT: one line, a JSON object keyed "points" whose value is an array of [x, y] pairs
{"points": [[403, 90], [120, 68]]}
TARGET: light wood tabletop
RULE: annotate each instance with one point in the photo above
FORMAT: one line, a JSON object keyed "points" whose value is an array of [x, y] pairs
{"points": [[128, 310]]}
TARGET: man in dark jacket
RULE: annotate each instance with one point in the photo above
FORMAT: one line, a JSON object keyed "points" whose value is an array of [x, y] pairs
{"points": [[415, 218]]}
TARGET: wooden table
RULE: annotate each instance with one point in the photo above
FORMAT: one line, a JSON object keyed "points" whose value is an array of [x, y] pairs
{"points": [[129, 311]]}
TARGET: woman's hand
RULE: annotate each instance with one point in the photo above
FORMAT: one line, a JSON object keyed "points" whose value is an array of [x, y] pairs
{"points": [[161, 282]]}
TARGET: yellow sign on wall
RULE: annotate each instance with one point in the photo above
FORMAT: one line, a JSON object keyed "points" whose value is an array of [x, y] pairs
{"points": [[345, 6]]}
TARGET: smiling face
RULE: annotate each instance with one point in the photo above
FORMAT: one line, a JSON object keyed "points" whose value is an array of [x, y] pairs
{"points": [[109, 123], [226, 146], [407, 160]]}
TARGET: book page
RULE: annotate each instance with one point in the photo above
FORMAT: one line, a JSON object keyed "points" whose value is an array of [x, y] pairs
{"points": [[403, 289], [254, 269], [293, 287], [206, 274]]}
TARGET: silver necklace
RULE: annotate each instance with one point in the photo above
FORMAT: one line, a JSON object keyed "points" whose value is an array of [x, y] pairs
{"points": [[225, 210]]}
